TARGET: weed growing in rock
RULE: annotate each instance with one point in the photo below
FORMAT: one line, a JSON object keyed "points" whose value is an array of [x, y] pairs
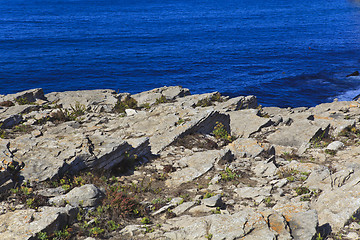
{"points": [[221, 133], [228, 175], [302, 190], [76, 111], [127, 103], [145, 220], [330, 152], [161, 99], [22, 101]]}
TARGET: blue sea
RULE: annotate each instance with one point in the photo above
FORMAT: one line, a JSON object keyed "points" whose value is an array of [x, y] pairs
{"points": [[287, 53]]}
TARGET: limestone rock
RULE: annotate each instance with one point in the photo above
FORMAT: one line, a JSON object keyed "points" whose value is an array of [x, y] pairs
{"points": [[303, 225], [298, 133], [170, 93], [336, 206], [197, 165], [336, 145], [94, 100], [87, 196], [246, 122], [247, 147], [25, 224], [29, 96]]}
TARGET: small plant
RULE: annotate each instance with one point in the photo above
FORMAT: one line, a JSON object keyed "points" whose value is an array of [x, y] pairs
{"points": [[330, 152], [145, 220], [145, 105], [209, 195], [209, 236], [291, 179], [148, 229], [161, 99], [221, 133], [42, 236], [228, 175], [302, 190], [127, 103], [76, 111], [180, 121], [267, 201], [22, 101], [319, 237], [206, 102], [22, 128], [217, 211], [95, 231]]}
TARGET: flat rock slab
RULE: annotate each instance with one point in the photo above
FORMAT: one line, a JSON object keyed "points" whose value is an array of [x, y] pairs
{"points": [[245, 147], [246, 122], [25, 224], [304, 224], [170, 93], [87, 195], [252, 192], [240, 224], [61, 150], [197, 165], [336, 206], [95, 100], [299, 133]]}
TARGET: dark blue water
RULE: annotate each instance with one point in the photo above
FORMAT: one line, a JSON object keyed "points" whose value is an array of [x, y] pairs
{"points": [[288, 53]]}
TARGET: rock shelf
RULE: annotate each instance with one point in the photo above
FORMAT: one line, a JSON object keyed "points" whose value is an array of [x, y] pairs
{"points": [[165, 164]]}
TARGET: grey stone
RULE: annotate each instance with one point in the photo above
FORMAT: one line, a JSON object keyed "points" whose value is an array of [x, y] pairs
{"points": [[200, 227], [183, 207], [252, 192], [303, 225], [29, 95], [94, 100], [87, 196], [300, 132], [344, 202], [198, 164], [336, 145], [170, 93], [246, 122], [214, 201], [25, 224], [245, 147]]}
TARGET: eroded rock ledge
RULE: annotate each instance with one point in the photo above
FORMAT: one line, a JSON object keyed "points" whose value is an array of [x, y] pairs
{"points": [[199, 166]]}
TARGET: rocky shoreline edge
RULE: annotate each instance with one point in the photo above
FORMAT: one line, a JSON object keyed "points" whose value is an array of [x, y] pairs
{"points": [[165, 164]]}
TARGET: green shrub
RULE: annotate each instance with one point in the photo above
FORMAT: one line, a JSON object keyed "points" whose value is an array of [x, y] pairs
{"points": [[220, 132], [127, 103]]}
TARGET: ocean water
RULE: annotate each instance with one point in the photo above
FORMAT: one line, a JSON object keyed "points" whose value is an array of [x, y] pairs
{"points": [[287, 53]]}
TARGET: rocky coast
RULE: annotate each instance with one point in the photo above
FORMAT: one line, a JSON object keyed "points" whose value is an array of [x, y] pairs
{"points": [[165, 164]]}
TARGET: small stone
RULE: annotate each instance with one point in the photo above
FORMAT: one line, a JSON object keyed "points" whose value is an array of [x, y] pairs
{"points": [[214, 201], [36, 133], [354, 225], [352, 235], [336, 145], [130, 112]]}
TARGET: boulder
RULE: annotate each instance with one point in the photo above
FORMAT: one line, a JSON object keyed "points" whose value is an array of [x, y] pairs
{"points": [[300, 132], [246, 122], [86, 196], [246, 147], [27, 96], [25, 224], [337, 205]]}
